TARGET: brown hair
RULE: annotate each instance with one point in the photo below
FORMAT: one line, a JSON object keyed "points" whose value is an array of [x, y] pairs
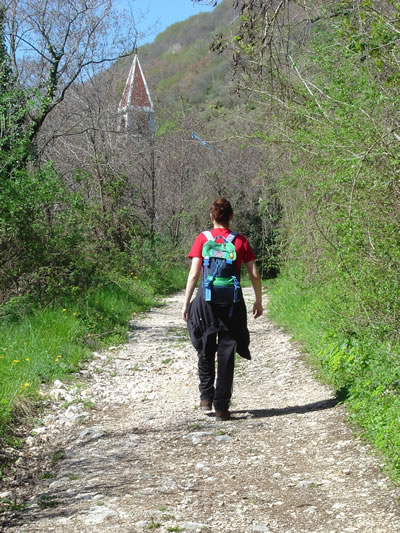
{"points": [[221, 211]]}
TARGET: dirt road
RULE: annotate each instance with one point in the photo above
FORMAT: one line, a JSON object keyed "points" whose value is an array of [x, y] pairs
{"points": [[130, 452]]}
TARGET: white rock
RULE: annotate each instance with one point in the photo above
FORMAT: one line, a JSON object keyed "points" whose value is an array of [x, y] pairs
{"points": [[63, 520], [305, 483], [73, 418], [194, 526], [99, 514], [58, 394], [310, 510], [90, 434], [21, 461], [337, 506], [148, 490], [68, 397], [48, 419], [198, 434], [59, 483], [84, 496], [72, 410], [30, 441], [39, 430]]}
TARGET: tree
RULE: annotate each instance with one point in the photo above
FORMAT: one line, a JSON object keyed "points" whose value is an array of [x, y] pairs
{"points": [[13, 108], [46, 49], [54, 44]]}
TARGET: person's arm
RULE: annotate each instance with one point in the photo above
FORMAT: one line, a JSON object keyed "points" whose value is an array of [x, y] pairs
{"points": [[193, 276], [256, 282]]}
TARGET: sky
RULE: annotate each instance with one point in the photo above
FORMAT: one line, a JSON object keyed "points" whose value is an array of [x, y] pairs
{"points": [[162, 13]]}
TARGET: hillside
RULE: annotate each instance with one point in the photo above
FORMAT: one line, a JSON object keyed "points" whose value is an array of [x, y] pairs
{"points": [[179, 65]]}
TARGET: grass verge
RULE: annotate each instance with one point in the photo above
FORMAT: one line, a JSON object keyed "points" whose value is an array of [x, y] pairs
{"points": [[361, 366], [40, 344]]}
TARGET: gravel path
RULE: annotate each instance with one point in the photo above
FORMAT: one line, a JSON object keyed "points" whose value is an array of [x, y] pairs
{"points": [[145, 458]]}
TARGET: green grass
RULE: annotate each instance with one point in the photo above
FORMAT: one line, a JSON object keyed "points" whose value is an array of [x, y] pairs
{"points": [[46, 343], [360, 366]]}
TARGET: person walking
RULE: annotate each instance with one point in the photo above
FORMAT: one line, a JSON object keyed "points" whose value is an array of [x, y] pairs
{"points": [[215, 328]]}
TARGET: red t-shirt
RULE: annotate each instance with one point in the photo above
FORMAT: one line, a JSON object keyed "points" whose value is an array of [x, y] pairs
{"points": [[244, 251]]}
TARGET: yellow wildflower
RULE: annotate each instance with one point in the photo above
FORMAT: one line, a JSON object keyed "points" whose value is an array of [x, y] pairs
{"points": [[64, 310], [15, 361], [25, 385], [27, 358]]}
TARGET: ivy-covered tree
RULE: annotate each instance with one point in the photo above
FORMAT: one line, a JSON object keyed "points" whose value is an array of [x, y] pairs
{"points": [[14, 145]]}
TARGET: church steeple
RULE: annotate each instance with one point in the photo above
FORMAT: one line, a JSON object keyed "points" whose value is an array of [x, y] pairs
{"points": [[135, 101]]}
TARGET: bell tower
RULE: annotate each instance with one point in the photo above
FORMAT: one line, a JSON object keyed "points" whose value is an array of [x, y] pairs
{"points": [[135, 109]]}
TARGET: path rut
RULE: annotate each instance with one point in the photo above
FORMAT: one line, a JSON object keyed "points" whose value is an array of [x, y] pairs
{"points": [[146, 459]]}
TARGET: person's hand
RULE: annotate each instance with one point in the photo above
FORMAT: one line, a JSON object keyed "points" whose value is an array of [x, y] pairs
{"points": [[257, 309], [184, 312]]}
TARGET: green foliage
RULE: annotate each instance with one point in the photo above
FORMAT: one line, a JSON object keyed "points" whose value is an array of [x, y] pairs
{"points": [[50, 342], [167, 83], [153, 524], [167, 126], [6, 505], [343, 230], [345, 226], [156, 262], [325, 104]]}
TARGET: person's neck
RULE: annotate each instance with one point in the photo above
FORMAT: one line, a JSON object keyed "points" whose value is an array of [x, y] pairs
{"points": [[220, 226]]}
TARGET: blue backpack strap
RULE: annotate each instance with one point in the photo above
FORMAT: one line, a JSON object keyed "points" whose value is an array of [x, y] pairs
{"points": [[231, 236], [208, 235]]}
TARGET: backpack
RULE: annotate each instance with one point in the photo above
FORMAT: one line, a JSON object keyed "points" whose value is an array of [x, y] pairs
{"points": [[220, 277]]}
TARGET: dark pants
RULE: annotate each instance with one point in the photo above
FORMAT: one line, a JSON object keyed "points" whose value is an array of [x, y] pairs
{"points": [[222, 391]]}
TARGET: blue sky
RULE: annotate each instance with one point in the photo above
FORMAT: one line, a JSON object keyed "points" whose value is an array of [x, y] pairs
{"points": [[162, 13]]}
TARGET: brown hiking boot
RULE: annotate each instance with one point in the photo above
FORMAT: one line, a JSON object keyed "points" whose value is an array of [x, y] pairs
{"points": [[205, 405], [221, 415]]}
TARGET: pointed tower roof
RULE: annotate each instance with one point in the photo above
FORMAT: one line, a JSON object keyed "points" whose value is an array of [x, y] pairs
{"points": [[136, 94]]}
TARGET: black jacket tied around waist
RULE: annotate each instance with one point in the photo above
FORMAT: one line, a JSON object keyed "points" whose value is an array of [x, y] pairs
{"points": [[205, 319]]}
